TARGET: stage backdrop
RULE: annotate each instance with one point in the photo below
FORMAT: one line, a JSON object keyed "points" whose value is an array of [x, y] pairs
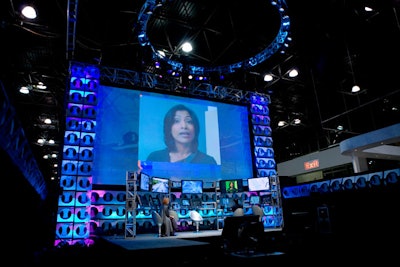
{"points": [[109, 130]]}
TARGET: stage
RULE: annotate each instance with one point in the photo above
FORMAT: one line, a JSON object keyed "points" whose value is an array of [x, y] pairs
{"points": [[153, 241], [205, 246]]}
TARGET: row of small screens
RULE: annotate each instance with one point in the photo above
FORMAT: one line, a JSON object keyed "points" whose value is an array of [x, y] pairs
{"points": [[224, 202], [161, 185], [227, 202]]}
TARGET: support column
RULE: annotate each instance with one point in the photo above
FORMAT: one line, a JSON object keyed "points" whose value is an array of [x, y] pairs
{"points": [[359, 164]]}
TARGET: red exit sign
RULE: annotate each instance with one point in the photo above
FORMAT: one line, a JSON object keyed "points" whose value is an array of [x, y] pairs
{"points": [[311, 164]]}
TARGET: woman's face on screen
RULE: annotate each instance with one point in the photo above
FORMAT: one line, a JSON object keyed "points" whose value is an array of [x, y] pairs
{"points": [[183, 127]]}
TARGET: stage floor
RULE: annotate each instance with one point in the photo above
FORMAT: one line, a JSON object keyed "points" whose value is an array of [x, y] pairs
{"points": [[203, 247], [181, 239], [153, 241]]}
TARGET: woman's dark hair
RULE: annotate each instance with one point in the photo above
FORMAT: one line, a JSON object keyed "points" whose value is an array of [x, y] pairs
{"points": [[169, 120]]}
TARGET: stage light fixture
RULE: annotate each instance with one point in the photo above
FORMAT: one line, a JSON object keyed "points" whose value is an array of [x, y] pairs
{"points": [[268, 77], [41, 86], [293, 73], [24, 90], [355, 89], [187, 47], [159, 3], [282, 123], [29, 12], [296, 121]]}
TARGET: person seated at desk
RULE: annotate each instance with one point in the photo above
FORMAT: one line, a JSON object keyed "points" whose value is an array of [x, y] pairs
{"points": [[169, 222]]}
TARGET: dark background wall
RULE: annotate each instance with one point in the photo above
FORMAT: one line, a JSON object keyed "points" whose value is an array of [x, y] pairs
{"points": [[28, 221]]}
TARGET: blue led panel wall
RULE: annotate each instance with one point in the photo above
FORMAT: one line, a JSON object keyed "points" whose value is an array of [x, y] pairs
{"points": [[73, 220], [263, 150]]}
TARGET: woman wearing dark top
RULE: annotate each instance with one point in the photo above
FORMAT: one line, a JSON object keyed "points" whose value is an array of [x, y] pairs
{"points": [[181, 133], [170, 224]]}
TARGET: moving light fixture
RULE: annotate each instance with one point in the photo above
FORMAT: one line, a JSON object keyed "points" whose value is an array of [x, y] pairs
{"points": [[29, 12], [355, 89], [291, 73], [268, 77], [293, 120], [282, 123], [368, 9], [43, 141], [50, 156], [187, 47], [26, 89]]}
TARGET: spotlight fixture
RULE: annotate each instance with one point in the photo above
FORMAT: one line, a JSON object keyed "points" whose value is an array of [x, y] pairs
{"points": [[368, 9], [29, 12], [41, 86], [293, 73], [268, 77], [296, 121], [282, 123], [24, 90], [159, 3], [187, 47], [355, 89]]}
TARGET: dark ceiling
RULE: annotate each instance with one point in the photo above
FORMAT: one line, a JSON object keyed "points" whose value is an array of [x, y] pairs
{"points": [[334, 43]]}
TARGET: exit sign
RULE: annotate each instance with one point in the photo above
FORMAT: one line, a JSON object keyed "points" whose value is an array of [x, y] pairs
{"points": [[312, 164]]}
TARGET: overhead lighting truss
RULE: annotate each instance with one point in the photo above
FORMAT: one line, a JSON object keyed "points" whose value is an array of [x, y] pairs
{"points": [[278, 44]]}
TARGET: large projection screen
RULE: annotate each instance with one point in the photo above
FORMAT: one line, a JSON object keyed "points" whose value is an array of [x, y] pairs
{"points": [[130, 125]]}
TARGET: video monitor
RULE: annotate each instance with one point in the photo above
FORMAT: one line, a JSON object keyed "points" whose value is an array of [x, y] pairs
{"points": [[254, 200], [192, 186], [258, 184], [133, 134], [144, 182], [231, 186], [185, 202], [159, 185], [195, 203]]}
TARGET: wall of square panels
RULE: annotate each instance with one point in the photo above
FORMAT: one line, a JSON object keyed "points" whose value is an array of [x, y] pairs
{"points": [[263, 144], [373, 180], [74, 204]]}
